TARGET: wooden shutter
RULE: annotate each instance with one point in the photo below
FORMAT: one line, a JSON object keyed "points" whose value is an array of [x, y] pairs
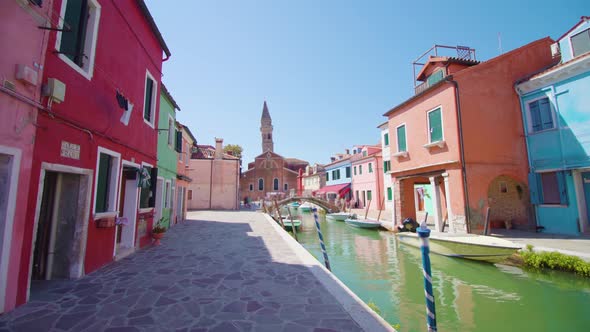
{"points": [[545, 114], [72, 39], [327, 176], [147, 106], [102, 184], [178, 145], [534, 189], [435, 123], [536, 123], [401, 138], [562, 185], [386, 139], [389, 194]]}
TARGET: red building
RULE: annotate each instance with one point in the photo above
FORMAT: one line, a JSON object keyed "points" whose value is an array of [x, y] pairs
{"points": [[91, 196]]}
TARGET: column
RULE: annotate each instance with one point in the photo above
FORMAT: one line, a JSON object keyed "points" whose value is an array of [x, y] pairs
{"points": [[448, 196], [437, 209]]}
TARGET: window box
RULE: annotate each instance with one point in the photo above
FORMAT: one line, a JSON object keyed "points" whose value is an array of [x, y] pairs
{"points": [[440, 144], [403, 154]]}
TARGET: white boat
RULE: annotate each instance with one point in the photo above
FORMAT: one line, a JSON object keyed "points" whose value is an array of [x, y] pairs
{"points": [[305, 207], [338, 216], [363, 223], [469, 246]]}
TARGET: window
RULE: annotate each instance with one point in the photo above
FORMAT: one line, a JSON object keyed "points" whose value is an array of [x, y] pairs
{"points": [[348, 171], [386, 166], [369, 195], [178, 144], [190, 195], [107, 169], [260, 184], [275, 184], [389, 194], [581, 42], [251, 187], [354, 170], [77, 42], [435, 77], [386, 139], [187, 154], [171, 130], [286, 186], [360, 169], [327, 176], [370, 167], [550, 188], [364, 153], [149, 105], [147, 197], [167, 195], [435, 125], [338, 174], [334, 175], [541, 116], [401, 138]]}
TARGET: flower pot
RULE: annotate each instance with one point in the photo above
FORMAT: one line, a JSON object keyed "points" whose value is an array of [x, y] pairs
{"points": [[157, 237]]}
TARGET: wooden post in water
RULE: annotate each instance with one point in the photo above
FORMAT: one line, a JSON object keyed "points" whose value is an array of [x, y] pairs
{"points": [[293, 224], [279, 214], [367, 210], [486, 227], [381, 207]]}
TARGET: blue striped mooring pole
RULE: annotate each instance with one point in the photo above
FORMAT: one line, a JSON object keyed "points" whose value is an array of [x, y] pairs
{"points": [[424, 233], [317, 226]]}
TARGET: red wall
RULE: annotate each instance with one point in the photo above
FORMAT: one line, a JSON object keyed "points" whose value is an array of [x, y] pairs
{"points": [[122, 57]]}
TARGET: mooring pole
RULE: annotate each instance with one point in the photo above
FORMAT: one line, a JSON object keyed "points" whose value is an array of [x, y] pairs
{"points": [[279, 214], [293, 224], [424, 233], [317, 226]]}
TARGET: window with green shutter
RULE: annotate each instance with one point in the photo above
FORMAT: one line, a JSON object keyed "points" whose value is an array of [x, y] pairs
{"points": [[370, 167], [369, 195], [401, 138], [354, 170], [389, 194], [149, 98], [327, 176], [435, 77], [348, 171], [103, 182], [386, 139], [73, 39], [435, 125], [360, 169]]}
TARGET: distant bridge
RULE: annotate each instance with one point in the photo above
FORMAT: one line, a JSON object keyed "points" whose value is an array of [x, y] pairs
{"points": [[329, 207]]}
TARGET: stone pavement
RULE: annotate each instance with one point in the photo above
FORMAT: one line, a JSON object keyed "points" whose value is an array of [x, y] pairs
{"points": [[225, 272], [570, 245]]}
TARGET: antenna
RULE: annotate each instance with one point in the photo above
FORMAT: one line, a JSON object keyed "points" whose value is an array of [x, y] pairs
{"points": [[500, 43]]}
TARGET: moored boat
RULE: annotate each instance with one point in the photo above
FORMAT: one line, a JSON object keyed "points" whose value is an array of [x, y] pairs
{"points": [[338, 216], [469, 246], [305, 207], [289, 224], [363, 223]]}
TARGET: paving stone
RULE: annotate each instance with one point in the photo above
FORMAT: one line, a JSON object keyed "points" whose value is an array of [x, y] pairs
{"points": [[67, 321]]}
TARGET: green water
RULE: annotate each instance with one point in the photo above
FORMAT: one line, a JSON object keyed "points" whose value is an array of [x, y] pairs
{"points": [[470, 296]]}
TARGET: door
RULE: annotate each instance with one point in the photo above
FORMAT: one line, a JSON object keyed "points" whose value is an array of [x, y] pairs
{"points": [[159, 199], [179, 215], [127, 210], [586, 185]]}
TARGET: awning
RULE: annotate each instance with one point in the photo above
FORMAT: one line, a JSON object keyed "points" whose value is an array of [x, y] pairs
{"points": [[340, 189]]}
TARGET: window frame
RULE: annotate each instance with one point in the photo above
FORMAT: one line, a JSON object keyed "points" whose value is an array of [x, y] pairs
{"points": [[529, 115], [348, 172], [386, 139], [389, 194], [370, 168], [360, 169], [442, 131], [148, 208], [275, 184], [94, 10], [354, 170], [405, 138], [251, 187], [286, 186], [171, 131], [113, 190], [167, 189], [587, 31], [153, 104], [260, 181]]}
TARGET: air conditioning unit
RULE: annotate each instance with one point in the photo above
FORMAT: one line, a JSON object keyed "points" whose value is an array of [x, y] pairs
{"points": [[56, 90], [555, 51]]}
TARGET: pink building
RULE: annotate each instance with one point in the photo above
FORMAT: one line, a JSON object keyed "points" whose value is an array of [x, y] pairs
{"points": [[23, 47], [367, 178], [187, 140], [215, 178]]}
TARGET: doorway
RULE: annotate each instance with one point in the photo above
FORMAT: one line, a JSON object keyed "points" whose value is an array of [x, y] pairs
{"points": [[60, 241], [128, 200], [159, 199], [586, 187]]}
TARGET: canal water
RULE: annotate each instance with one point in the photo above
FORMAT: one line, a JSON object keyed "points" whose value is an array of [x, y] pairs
{"points": [[470, 296]]}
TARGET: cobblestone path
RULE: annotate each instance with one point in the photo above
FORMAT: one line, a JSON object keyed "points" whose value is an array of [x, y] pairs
{"points": [[226, 271]]}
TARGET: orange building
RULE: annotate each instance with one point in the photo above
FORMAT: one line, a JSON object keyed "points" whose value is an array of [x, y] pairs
{"points": [[461, 133]]}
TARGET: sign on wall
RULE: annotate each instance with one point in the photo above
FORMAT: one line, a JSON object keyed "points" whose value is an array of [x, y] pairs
{"points": [[70, 150]]}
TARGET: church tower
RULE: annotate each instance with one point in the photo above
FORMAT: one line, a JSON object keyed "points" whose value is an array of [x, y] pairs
{"points": [[266, 130]]}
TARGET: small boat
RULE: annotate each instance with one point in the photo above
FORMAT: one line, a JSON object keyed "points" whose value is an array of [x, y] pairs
{"points": [[290, 223], [338, 216], [363, 223], [294, 205], [469, 246], [305, 207]]}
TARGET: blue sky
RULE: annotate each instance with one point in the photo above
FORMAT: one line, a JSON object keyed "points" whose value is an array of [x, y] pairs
{"points": [[328, 70]]}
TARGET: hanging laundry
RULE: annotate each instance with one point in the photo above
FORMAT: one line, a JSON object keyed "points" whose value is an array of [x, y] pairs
{"points": [[123, 103], [127, 114]]}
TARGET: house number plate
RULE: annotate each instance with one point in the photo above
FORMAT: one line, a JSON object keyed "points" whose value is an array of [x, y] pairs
{"points": [[70, 150]]}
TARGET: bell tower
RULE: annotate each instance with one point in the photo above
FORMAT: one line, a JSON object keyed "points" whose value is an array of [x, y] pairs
{"points": [[266, 130]]}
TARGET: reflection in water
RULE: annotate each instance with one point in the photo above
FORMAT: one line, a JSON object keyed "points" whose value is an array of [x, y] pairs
{"points": [[470, 296]]}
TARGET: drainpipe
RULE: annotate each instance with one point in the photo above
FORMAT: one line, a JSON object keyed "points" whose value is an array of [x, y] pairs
{"points": [[449, 79], [210, 183]]}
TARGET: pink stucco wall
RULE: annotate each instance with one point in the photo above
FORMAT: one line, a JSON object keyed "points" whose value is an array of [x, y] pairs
{"points": [[369, 181], [215, 184], [22, 42]]}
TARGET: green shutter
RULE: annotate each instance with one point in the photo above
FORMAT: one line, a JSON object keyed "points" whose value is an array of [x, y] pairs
{"points": [[102, 184], [74, 34], [369, 195], [370, 167], [386, 139], [561, 182], [360, 169], [178, 145], [153, 187], [534, 188], [348, 171], [354, 170], [401, 138], [435, 77], [147, 106], [389, 194], [435, 123], [327, 176]]}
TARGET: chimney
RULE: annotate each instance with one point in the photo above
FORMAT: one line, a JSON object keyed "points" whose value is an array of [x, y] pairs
{"points": [[333, 159], [219, 148], [347, 151]]}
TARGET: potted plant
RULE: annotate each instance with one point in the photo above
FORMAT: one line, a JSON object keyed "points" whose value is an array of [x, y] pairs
{"points": [[158, 231]]}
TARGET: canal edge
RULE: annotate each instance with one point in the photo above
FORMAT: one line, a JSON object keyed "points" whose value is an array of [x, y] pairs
{"points": [[360, 312]]}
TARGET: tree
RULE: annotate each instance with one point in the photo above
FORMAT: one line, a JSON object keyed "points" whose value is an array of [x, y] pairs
{"points": [[233, 149]]}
